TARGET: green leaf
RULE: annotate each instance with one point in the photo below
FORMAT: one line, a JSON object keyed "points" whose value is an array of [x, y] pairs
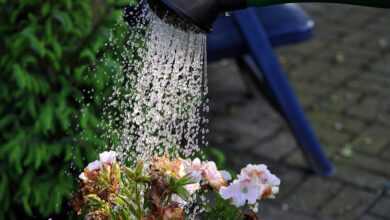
{"points": [[64, 19], [20, 76], [45, 9], [45, 121]]}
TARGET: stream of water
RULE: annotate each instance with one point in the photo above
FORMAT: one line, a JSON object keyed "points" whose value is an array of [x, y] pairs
{"points": [[162, 98]]}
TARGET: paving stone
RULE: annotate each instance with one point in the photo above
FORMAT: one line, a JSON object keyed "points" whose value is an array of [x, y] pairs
{"points": [[278, 147], [323, 119], [350, 203], [307, 101], [304, 88], [239, 134], [386, 153], [308, 72], [367, 87], [384, 119], [382, 207], [258, 110], [336, 78], [289, 62], [372, 140], [369, 163], [381, 65], [332, 138], [312, 194], [383, 80], [297, 159], [276, 212], [369, 144], [351, 125], [359, 177], [290, 180], [338, 101], [366, 110], [335, 122], [370, 217]]}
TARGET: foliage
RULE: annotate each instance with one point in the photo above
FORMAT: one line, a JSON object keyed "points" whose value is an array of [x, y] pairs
{"points": [[109, 190], [222, 210], [46, 50]]}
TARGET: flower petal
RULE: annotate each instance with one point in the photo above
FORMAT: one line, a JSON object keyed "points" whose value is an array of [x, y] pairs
{"points": [[108, 157], [95, 165]]}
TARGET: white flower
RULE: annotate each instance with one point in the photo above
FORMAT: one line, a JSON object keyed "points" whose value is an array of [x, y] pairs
{"points": [[241, 192], [108, 157], [95, 165], [83, 177]]}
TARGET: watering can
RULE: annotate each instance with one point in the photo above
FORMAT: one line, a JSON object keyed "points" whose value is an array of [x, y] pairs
{"points": [[203, 13]]}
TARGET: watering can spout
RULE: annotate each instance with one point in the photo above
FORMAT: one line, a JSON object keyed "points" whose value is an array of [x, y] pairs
{"points": [[203, 13]]}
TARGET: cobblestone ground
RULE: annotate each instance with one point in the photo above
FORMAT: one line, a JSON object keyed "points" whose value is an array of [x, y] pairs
{"points": [[342, 78]]}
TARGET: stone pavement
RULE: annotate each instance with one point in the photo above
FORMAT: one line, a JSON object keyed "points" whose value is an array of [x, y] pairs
{"points": [[342, 78]]}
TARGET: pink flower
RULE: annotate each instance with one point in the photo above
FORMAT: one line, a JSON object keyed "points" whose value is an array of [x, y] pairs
{"points": [[194, 169], [212, 175], [260, 173], [108, 157], [95, 165], [192, 188], [207, 171]]}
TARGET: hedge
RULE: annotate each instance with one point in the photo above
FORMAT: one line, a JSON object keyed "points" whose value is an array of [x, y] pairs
{"points": [[47, 49]]}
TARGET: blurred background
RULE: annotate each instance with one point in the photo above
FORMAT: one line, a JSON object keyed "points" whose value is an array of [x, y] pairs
{"points": [[50, 49], [342, 79]]}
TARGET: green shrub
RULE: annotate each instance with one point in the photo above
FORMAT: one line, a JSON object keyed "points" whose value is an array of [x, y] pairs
{"points": [[46, 49]]}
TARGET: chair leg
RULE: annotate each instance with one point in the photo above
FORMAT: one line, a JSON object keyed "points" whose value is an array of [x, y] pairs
{"points": [[260, 83], [263, 55], [253, 81]]}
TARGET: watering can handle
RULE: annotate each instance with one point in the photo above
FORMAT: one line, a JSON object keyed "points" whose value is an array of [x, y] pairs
{"points": [[370, 3]]}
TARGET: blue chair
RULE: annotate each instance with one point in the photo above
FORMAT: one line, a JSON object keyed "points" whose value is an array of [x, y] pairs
{"points": [[252, 33]]}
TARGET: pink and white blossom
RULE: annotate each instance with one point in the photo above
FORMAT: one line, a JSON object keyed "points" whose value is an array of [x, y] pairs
{"points": [[95, 165], [241, 192], [212, 175], [226, 175], [259, 173], [254, 183], [194, 169], [192, 188]]}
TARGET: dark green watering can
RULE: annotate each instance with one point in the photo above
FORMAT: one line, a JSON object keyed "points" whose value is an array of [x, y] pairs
{"points": [[203, 13]]}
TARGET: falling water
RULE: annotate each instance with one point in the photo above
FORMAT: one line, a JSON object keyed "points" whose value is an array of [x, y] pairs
{"points": [[161, 97]]}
